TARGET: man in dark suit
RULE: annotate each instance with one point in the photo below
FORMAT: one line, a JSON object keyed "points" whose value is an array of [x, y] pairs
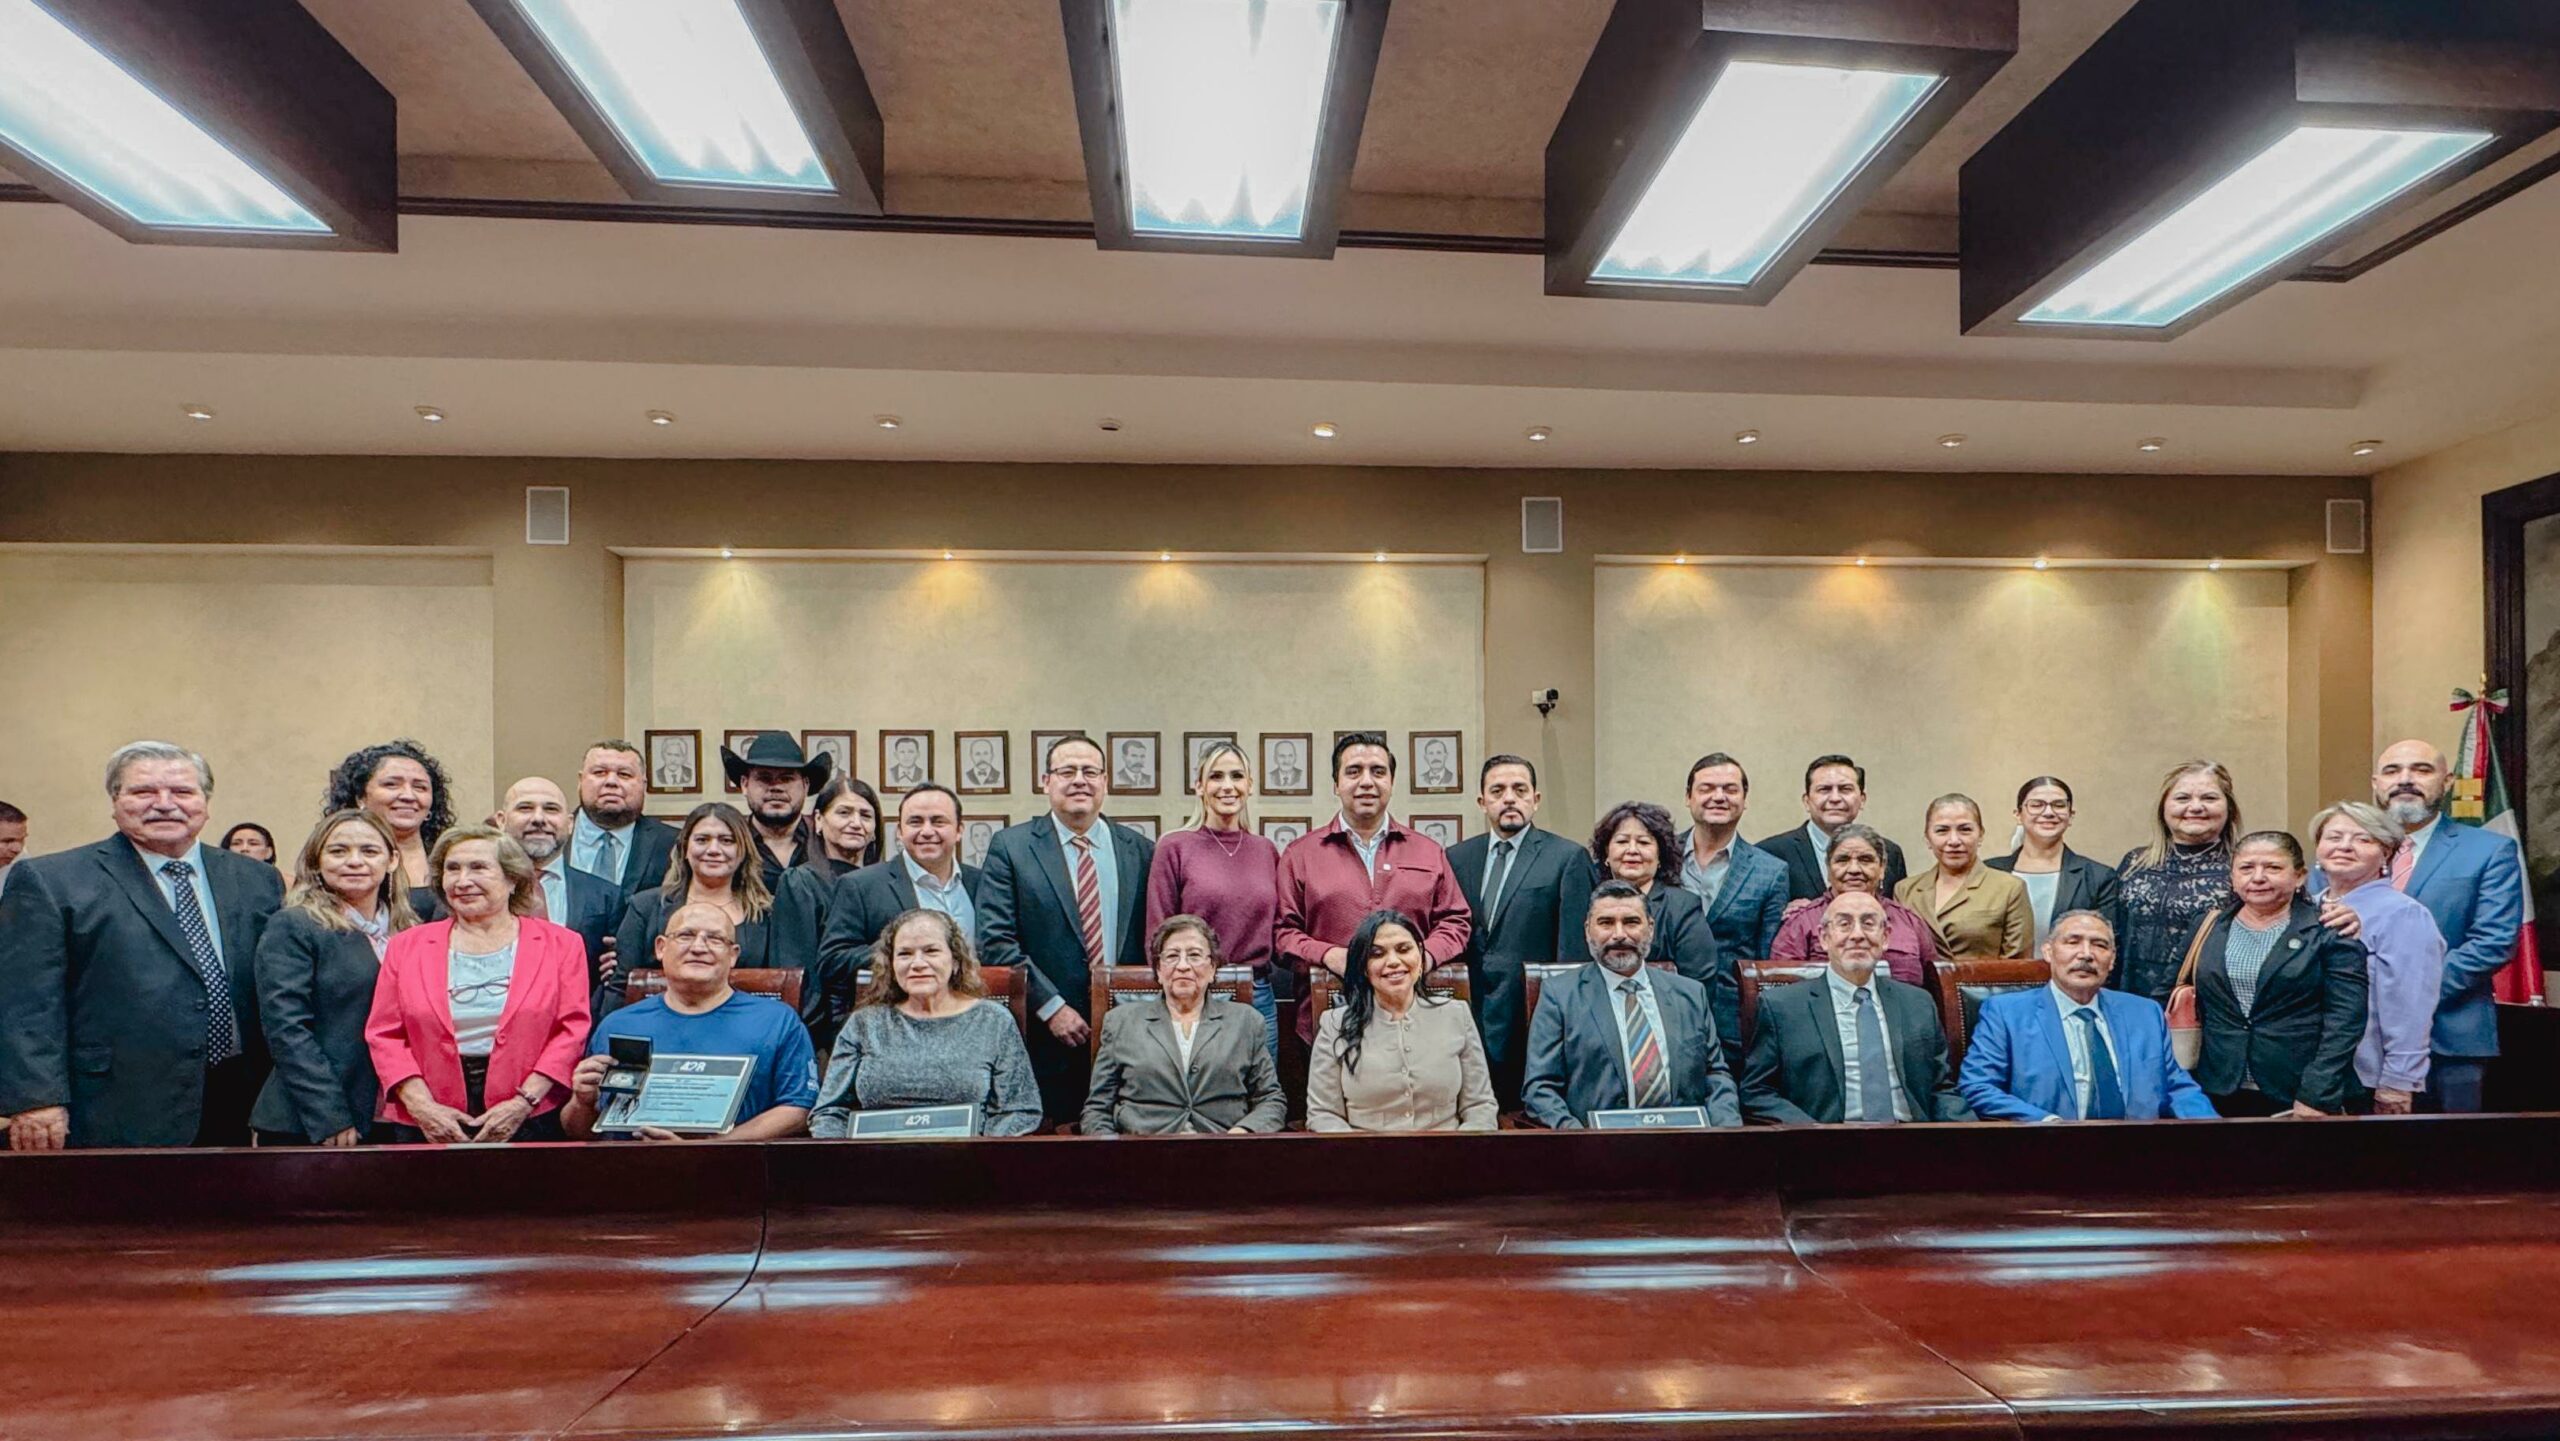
{"points": [[1062, 894], [536, 813], [1619, 1034], [1526, 890], [925, 874], [611, 838], [1852, 1044], [128, 1003], [1835, 793]]}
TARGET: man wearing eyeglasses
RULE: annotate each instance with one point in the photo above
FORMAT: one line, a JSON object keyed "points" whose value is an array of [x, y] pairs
{"points": [[701, 1014]]}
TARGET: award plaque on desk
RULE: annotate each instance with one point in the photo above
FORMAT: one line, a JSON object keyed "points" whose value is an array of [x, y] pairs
{"points": [[688, 1095], [919, 1123], [1653, 1118]]}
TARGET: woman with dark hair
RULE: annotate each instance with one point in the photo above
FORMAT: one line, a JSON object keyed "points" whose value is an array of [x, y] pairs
{"points": [[714, 864], [1856, 861], [842, 833], [2059, 880], [1184, 1060], [1631, 844], [925, 1034], [404, 785], [1390, 1058], [2280, 997], [256, 842]]}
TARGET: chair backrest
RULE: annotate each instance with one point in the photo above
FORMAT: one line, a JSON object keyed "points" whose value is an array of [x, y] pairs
{"points": [[1960, 988], [1115, 984], [1536, 975], [1004, 986], [1450, 980], [1753, 976], [782, 984]]}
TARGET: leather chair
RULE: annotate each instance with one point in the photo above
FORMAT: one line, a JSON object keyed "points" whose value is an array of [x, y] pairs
{"points": [[1114, 984], [1960, 987], [1004, 986], [783, 985], [1449, 980], [1750, 976], [1537, 975]]}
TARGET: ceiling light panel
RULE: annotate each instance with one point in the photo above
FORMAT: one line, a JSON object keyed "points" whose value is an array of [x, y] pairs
{"points": [[1225, 125], [1712, 149]]}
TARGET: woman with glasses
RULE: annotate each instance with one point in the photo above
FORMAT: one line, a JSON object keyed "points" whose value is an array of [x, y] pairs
{"points": [[1185, 1060], [2059, 880]]}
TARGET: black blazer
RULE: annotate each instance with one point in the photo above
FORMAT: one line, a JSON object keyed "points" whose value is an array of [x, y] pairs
{"points": [[644, 867], [1804, 867], [2081, 885], [860, 905], [1682, 936], [2299, 1036], [595, 909], [315, 988], [1027, 912], [1793, 1076], [785, 940], [1540, 920], [100, 1008]]}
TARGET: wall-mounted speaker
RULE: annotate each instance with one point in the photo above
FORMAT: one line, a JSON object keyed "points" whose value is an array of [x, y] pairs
{"points": [[2346, 527], [546, 515], [1542, 524]]}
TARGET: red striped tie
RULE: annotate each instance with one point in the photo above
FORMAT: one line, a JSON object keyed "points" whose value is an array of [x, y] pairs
{"points": [[1089, 899]]}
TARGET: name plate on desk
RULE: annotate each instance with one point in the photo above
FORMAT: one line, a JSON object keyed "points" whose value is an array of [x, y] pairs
{"points": [[689, 1095], [1656, 1118], [920, 1123]]}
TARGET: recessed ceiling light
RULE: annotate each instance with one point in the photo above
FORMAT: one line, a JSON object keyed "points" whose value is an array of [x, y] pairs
{"points": [[2151, 445], [430, 415], [887, 422], [1952, 442], [1107, 423], [1746, 437], [662, 417], [2365, 447], [1541, 433], [196, 412], [1323, 430], [2040, 563]]}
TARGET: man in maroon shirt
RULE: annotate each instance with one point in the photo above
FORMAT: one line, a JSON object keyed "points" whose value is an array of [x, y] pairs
{"points": [[1363, 861]]}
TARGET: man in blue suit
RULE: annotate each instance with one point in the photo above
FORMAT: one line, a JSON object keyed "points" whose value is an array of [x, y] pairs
{"points": [[1618, 1034], [1743, 888], [2073, 1050]]}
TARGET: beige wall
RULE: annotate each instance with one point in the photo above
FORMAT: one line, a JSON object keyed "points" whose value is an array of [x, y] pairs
{"points": [[274, 667], [2105, 678], [559, 671]]}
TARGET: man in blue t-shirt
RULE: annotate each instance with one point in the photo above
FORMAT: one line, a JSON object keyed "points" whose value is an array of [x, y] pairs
{"points": [[700, 1014]]}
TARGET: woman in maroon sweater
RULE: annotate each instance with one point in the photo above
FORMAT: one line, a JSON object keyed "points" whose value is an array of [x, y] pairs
{"points": [[1216, 868]]}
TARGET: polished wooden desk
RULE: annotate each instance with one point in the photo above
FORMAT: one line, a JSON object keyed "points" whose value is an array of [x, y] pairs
{"points": [[2311, 1279]]}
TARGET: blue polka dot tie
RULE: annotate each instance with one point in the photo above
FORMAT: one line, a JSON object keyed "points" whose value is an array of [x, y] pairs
{"points": [[221, 1024]]}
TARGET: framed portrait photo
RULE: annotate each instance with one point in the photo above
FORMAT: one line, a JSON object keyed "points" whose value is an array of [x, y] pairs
{"points": [[1288, 763], [1447, 830], [836, 745], [1436, 763], [976, 834], [735, 743], [1152, 827], [1195, 745], [906, 760], [1134, 758], [1040, 743], [985, 759], [675, 761], [1280, 830]]}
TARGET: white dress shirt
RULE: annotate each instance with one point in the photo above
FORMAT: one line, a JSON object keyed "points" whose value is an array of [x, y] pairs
{"points": [[1652, 1013], [1844, 1018], [2076, 1036], [1821, 850], [1106, 876]]}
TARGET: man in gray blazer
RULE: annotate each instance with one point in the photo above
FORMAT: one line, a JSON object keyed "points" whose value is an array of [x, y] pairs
{"points": [[1526, 890], [1619, 1034], [925, 874], [1852, 1044], [128, 999]]}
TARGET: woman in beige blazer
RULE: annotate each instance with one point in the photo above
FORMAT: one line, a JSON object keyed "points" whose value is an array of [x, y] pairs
{"points": [[1390, 1058], [1979, 914], [1186, 1061]]}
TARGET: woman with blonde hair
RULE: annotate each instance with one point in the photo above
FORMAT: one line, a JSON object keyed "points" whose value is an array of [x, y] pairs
{"points": [[317, 963], [1216, 868], [714, 864], [1977, 913], [2165, 890], [925, 1034]]}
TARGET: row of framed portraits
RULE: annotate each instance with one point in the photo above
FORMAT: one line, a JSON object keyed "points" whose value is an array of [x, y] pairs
{"points": [[977, 831], [982, 761]]}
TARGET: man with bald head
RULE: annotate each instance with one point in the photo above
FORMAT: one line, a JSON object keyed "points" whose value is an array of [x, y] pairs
{"points": [[536, 812], [1852, 1044], [701, 1014]]}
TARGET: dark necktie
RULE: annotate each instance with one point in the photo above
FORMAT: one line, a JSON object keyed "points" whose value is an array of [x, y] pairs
{"points": [[2106, 1094], [221, 1025], [1875, 1076], [609, 857], [1502, 851]]}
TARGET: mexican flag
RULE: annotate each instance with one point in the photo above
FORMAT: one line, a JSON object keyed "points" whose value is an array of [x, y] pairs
{"points": [[2480, 797]]}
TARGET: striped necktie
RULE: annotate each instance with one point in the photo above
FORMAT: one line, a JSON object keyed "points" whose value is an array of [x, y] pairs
{"points": [[1648, 1080], [1089, 900]]}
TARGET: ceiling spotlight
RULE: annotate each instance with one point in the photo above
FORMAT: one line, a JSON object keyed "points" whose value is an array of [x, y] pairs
{"points": [[887, 422], [2040, 563], [1324, 430], [947, 555], [1380, 557], [197, 412], [1164, 555], [430, 415], [1107, 423], [2364, 447], [2213, 565], [1746, 437], [1540, 432], [1952, 442], [1681, 559], [662, 417], [2152, 445], [1862, 560], [727, 554]]}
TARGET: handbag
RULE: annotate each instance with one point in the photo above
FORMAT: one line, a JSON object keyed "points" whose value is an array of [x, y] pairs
{"points": [[2186, 1025]]}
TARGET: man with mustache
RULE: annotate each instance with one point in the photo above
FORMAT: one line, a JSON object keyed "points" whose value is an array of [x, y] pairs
{"points": [[610, 838], [128, 1009], [536, 813], [2073, 1049], [775, 777], [1526, 890], [1852, 1044], [1619, 1034]]}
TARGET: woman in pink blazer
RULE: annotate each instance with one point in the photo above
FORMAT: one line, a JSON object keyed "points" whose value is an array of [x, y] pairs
{"points": [[479, 1019]]}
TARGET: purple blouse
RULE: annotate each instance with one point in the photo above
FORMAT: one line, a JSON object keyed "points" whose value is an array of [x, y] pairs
{"points": [[1237, 892], [2404, 958], [1909, 942]]}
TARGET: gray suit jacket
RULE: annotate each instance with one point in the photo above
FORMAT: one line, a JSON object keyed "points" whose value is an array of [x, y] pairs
{"points": [[1577, 1064], [1793, 1075], [1140, 1086], [100, 1008]]}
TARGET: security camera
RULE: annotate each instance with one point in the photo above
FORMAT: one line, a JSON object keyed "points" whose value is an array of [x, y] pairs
{"points": [[1545, 700]]}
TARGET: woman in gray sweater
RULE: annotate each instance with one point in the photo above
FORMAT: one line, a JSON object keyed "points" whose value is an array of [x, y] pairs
{"points": [[924, 1034]]}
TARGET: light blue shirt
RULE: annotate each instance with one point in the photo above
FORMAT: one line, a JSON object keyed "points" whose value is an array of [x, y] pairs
{"points": [[1844, 1020], [1368, 849], [1652, 1014], [203, 888], [555, 890], [953, 900], [1106, 875], [2076, 1036], [586, 841]]}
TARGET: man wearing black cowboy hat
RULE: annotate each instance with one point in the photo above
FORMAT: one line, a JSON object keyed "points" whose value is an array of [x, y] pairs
{"points": [[774, 778]]}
